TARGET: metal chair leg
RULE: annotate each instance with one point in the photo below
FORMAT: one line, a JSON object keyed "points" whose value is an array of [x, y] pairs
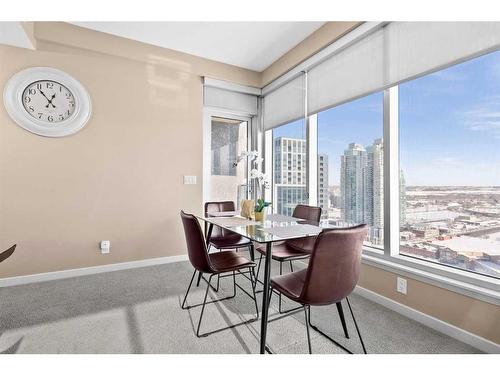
{"points": [[356, 325], [279, 303], [252, 276], [203, 308], [258, 270], [307, 311], [342, 318], [332, 340], [189, 288], [291, 266], [199, 279]]}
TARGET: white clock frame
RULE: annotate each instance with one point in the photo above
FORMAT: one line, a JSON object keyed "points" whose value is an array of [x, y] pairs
{"points": [[13, 102]]}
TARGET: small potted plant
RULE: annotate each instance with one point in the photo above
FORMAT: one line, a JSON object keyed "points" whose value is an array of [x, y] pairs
{"points": [[260, 213]]}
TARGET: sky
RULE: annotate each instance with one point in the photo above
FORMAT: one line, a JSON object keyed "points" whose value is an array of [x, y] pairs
{"points": [[449, 126]]}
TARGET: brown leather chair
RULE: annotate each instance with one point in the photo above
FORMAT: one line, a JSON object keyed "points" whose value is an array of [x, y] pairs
{"points": [[295, 249], [330, 277], [223, 239], [7, 253], [224, 262]]}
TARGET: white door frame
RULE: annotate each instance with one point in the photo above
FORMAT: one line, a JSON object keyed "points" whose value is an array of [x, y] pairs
{"points": [[208, 113]]}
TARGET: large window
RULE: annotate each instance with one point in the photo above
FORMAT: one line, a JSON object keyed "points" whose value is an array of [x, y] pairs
{"points": [[450, 166], [350, 165], [289, 167]]}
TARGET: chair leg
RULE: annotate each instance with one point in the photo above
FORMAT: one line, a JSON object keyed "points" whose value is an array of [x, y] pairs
{"points": [[279, 299], [356, 325], [291, 266], [252, 276], [342, 318], [332, 340], [258, 270], [201, 274], [307, 311], [203, 307], [189, 287], [222, 299], [199, 279]]}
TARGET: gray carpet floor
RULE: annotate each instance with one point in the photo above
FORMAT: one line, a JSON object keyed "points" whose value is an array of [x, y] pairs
{"points": [[138, 311]]}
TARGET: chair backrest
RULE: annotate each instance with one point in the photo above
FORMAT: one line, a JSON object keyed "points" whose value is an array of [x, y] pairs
{"points": [[7, 253], [305, 212], [334, 266], [197, 250], [310, 213], [219, 207]]}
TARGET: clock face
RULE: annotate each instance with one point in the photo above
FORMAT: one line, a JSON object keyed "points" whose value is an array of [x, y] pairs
{"points": [[48, 101]]}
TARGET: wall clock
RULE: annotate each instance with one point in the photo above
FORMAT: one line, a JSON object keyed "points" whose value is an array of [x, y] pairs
{"points": [[47, 102]]}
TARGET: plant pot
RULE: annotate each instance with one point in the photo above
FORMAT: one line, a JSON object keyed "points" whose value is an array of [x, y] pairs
{"points": [[260, 216]]}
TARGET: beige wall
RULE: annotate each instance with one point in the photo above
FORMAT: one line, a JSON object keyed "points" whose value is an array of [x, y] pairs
{"points": [[120, 178], [478, 317]]}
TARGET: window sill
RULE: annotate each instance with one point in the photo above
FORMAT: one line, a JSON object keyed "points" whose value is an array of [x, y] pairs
{"points": [[475, 286]]}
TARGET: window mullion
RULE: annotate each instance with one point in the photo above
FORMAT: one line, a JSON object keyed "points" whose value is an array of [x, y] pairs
{"points": [[391, 171]]}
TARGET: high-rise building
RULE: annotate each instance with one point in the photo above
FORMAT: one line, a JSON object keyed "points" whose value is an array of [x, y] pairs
{"points": [[352, 169], [289, 174], [361, 187], [323, 191]]}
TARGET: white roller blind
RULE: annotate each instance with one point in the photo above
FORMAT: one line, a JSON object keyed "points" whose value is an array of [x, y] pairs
{"points": [[285, 104], [397, 52], [414, 48], [230, 100], [356, 70]]}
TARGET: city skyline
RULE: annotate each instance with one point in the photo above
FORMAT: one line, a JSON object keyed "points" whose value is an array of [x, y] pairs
{"points": [[441, 115]]}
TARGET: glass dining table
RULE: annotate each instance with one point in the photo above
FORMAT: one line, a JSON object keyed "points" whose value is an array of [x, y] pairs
{"points": [[275, 228]]}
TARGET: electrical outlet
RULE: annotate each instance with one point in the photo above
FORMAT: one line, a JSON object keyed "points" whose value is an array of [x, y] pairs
{"points": [[189, 180], [105, 246], [401, 285]]}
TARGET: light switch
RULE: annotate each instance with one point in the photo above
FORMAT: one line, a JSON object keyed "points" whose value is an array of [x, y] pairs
{"points": [[189, 180]]}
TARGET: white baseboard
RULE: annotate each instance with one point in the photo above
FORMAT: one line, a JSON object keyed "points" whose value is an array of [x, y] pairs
{"points": [[459, 334], [47, 276]]}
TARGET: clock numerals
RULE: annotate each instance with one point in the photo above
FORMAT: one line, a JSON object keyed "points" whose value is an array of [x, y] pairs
{"points": [[49, 101]]}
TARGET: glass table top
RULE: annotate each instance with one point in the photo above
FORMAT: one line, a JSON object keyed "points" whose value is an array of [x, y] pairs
{"points": [[275, 228]]}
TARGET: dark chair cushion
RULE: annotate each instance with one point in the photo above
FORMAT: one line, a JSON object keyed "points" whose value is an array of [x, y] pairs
{"points": [[230, 241], [290, 284], [283, 251], [225, 261]]}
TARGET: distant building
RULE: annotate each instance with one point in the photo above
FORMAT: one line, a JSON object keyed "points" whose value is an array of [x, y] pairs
{"points": [[361, 187], [289, 174], [425, 231], [323, 191]]}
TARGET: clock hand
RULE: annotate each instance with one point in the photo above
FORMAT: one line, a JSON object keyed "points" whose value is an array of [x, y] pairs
{"points": [[50, 101], [45, 96]]}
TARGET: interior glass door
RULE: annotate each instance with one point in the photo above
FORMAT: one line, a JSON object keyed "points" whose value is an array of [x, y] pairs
{"points": [[227, 180]]}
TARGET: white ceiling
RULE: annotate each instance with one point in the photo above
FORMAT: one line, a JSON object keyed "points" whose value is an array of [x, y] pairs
{"points": [[252, 45], [13, 34]]}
